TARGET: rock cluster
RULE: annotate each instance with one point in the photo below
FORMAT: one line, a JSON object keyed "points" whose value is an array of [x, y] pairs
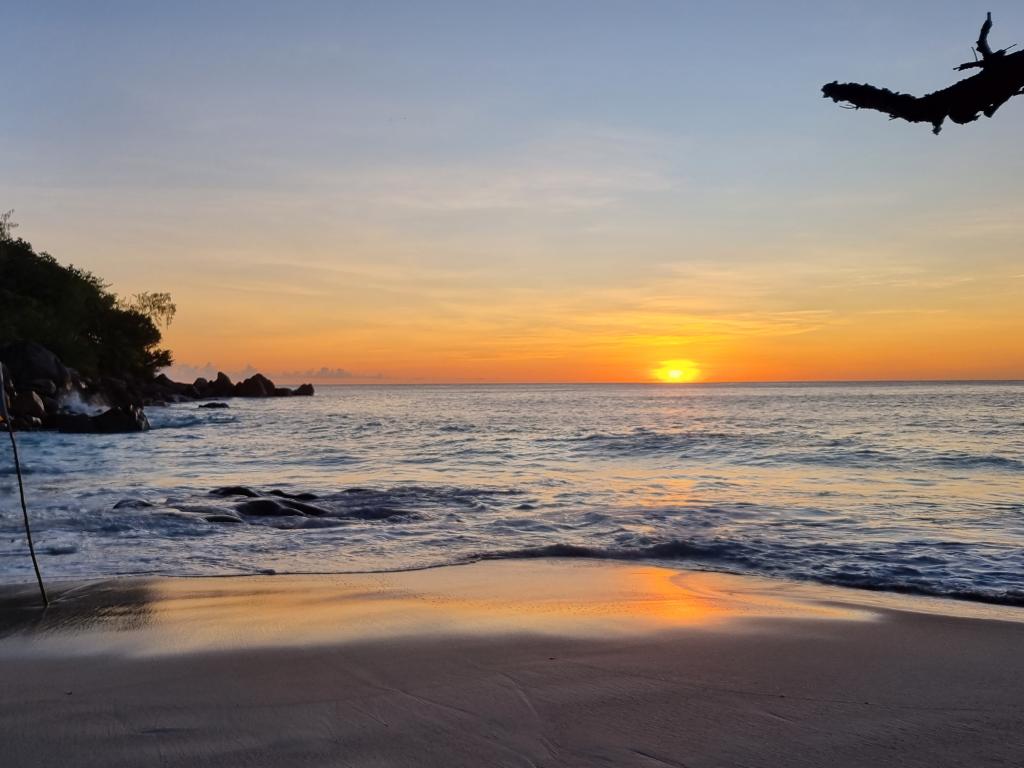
{"points": [[42, 393], [162, 390]]}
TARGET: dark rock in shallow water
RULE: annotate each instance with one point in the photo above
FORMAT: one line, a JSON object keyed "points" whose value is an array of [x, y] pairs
{"points": [[297, 496], [133, 504], [128, 418], [282, 392], [214, 405], [75, 422], [61, 549], [223, 518], [303, 390], [278, 508], [379, 513], [234, 490]]}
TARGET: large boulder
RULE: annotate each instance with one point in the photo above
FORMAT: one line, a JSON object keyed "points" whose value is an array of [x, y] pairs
{"points": [[29, 404], [28, 361], [118, 392], [166, 386], [221, 387], [128, 418], [75, 422], [255, 386], [278, 508], [303, 389]]}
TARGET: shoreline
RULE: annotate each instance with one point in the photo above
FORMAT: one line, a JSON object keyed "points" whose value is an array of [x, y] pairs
{"points": [[549, 663], [904, 598]]}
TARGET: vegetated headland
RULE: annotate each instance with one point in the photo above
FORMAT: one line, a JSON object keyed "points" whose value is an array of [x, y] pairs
{"points": [[77, 357]]}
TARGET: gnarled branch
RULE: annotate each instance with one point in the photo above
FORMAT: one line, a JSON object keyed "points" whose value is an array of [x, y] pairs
{"points": [[1001, 78], [983, 47]]}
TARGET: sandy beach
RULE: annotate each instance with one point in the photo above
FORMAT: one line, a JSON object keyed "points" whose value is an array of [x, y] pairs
{"points": [[507, 663]]}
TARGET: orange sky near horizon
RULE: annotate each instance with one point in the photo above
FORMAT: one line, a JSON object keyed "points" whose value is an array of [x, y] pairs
{"points": [[759, 323]]}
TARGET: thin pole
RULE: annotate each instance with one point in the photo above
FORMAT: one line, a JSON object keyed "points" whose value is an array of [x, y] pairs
{"points": [[21, 488]]}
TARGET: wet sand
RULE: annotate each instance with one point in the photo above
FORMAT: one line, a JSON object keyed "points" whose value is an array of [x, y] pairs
{"points": [[506, 663]]}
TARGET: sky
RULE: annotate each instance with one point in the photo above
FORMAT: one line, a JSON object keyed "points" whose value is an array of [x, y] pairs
{"points": [[508, 192]]}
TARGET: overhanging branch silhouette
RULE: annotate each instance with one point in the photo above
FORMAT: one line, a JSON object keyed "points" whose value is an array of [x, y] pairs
{"points": [[1001, 78]]}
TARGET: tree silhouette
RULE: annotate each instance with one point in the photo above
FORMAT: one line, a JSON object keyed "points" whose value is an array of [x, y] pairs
{"points": [[1000, 79]]}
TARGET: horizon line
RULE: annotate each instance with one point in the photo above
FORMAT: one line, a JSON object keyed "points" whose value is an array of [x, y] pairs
{"points": [[736, 382]]}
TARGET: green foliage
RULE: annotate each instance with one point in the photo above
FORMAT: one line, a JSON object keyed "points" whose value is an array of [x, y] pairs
{"points": [[6, 225], [72, 312], [158, 307]]}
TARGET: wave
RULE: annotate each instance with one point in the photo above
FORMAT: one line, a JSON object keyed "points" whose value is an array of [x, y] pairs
{"points": [[772, 448], [641, 442], [972, 460], [732, 557], [177, 421]]}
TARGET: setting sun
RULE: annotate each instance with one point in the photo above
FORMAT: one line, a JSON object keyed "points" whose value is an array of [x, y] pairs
{"points": [[677, 371]]}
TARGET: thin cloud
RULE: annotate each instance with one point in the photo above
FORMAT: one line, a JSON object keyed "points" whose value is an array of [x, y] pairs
{"points": [[186, 372]]}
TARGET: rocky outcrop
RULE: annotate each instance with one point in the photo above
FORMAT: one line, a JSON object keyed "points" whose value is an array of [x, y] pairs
{"points": [[221, 387], [255, 386], [130, 418], [279, 507], [162, 389], [42, 393]]}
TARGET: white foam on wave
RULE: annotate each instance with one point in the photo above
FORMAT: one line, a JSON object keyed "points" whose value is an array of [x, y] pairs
{"points": [[74, 402]]}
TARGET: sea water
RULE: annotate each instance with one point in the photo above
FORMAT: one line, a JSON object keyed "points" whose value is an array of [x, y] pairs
{"points": [[905, 487]]}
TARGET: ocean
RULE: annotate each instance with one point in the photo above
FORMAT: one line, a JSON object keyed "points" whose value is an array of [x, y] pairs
{"points": [[907, 487]]}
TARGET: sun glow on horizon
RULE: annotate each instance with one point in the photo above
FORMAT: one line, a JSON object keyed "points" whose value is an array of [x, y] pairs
{"points": [[677, 372]]}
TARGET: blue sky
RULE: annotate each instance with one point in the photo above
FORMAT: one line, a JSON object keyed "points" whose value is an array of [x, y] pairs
{"points": [[418, 157]]}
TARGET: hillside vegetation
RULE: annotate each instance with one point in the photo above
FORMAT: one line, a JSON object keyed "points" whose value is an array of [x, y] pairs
{"points": [[73, 313]]}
